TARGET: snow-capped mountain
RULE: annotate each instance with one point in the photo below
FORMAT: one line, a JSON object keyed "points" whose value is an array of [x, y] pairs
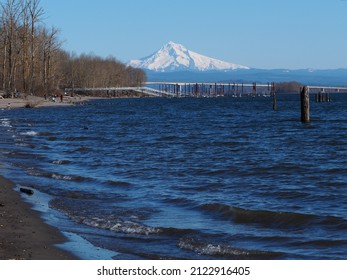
{"points": [[175, 57]]}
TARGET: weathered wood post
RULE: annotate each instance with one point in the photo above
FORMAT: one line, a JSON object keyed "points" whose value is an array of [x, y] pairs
{"points": [[305, 105], [273, 91]]}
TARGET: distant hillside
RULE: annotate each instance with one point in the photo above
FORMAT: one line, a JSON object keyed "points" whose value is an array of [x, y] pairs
{"points": [[309, 77]]}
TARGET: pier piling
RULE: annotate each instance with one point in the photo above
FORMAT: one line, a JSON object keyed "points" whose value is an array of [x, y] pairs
{"points": [[305, 105], [273, 92]]}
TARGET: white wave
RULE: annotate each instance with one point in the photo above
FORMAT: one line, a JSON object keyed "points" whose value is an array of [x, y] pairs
{"points": [[212, 249], [5, 123], [29, 133], [134, 228], [21, 144], [62, 177], [120, 226]]}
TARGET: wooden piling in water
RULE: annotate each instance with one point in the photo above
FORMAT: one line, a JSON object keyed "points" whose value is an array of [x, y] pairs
{"points": [[305, 105], [323, 97], [273, 92]]}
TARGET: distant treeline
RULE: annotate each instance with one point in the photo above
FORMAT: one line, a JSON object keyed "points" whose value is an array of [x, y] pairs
{"points": [[288, 87], [33, 61]]}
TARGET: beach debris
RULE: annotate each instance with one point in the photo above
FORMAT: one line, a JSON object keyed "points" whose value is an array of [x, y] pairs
{"points": [[27, 191]]}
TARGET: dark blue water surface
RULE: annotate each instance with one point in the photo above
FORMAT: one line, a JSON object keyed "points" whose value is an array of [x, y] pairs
{"points": [[209, 178]]}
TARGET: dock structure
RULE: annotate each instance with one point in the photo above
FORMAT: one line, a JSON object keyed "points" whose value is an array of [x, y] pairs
{"points": [[327, 89], [186, 89], [110, 91], [194, 89]]}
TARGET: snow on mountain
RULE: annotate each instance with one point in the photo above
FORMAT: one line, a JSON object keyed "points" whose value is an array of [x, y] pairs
{"points": [[175, 57]]}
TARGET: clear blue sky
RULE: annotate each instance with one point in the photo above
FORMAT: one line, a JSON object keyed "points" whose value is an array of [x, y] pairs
{"points": [[266, 34]]}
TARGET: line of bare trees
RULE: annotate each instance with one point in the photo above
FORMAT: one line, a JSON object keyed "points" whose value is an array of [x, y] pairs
{"points": [[32, 60], [92, 71]]}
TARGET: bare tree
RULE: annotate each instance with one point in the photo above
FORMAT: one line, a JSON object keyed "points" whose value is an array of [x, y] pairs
{"points": [[24, 38], [32, 61], [11, 12], [35, 14], [50, 48]]}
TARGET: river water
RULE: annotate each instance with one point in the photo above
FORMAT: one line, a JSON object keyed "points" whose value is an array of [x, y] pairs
{"points": [[208, 178]]}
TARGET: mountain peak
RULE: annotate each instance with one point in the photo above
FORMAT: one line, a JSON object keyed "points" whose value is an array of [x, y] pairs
{"points": [[176, 57], [174, 45]]}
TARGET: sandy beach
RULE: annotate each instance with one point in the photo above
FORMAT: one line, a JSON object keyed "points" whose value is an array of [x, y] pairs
{"points": [[35, 101], [23, 234]]}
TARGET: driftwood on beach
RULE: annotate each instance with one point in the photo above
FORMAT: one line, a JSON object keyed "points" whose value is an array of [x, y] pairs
{"points": [[23, 234], [26, 191]]}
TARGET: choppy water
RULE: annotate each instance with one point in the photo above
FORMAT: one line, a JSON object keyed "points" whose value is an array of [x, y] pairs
{"points": [[223, 178]]}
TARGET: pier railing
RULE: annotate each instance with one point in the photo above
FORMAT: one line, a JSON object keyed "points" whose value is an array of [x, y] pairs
{"points": [[185, 89]]}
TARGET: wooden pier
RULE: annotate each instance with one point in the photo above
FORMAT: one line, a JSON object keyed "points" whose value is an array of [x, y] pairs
{"points": [[180, 89], [186, 89]]}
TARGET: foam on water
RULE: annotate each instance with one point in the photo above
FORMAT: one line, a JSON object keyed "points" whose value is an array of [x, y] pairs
{"points": [[4, 122], [205, 248], [29, 133]]}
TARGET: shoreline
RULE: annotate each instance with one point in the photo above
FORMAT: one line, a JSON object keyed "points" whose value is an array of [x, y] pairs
{"points": [[32, 101], [37, 102], [23, 233]]}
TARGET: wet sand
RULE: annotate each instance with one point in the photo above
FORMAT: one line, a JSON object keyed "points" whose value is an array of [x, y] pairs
{"points": [[23, 234]]}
